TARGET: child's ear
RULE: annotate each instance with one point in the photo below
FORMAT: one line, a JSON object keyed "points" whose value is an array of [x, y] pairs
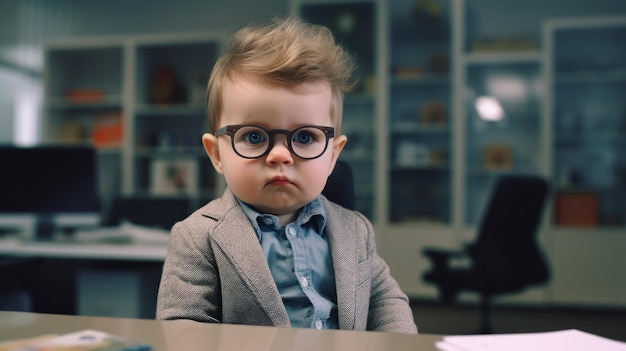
{"points": [[210, 146], [338, 144]]}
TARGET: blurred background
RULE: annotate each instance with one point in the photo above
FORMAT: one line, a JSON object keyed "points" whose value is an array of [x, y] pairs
{"points": [[451, 95]]}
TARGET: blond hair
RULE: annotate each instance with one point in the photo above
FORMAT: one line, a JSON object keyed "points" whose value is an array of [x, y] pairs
{"points": [[286, 53]]}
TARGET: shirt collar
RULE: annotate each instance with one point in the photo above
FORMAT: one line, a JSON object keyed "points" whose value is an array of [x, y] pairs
{"points": [[312, 212]]}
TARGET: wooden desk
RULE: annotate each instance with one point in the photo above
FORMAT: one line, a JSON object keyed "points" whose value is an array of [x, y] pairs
{"points": [[192, 336]]}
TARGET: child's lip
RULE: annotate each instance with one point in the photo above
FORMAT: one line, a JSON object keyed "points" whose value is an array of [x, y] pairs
{"points": [[280, 181]]}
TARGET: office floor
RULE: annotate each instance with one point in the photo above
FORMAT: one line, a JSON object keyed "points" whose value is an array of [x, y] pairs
{"points": [[435, 318]]}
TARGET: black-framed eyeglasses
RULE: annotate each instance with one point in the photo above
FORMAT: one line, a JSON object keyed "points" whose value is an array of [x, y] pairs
{"points": [[251, 141]]}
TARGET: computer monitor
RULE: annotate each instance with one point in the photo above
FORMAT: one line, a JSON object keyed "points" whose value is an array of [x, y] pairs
{"points": [[54, 186], [149, 211]]}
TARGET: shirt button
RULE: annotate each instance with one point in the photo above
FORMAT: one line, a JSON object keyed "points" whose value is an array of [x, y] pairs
{"points": [[318, 324], [304, 282], [268, 220], [292, 231]]}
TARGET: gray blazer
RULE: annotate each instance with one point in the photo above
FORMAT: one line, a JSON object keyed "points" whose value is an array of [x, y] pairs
{"points": [[215, 271]]}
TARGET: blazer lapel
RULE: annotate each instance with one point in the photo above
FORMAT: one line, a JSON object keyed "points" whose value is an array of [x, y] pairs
{"points": [[241, 246], [343, 245]]}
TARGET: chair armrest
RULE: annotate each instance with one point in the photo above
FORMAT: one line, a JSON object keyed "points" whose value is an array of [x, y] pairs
{"points": [[439, 252], [444, 272], [440, 257]]}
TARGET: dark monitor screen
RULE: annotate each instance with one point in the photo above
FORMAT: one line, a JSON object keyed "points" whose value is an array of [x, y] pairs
{"points": [[159, 211], [48, 180]]}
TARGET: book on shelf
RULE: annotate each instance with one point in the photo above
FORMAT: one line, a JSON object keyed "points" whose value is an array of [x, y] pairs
{"points": [[107, 129], [498, 157], [83, 96], [73, 132]]}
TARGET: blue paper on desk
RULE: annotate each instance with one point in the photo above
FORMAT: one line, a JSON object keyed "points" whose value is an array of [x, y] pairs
{"points": [[570, 340]]}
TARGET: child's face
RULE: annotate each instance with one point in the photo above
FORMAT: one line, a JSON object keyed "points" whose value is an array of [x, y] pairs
{"points": [[278, 182]]}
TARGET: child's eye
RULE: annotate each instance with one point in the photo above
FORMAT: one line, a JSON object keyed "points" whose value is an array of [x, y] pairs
{"points": [[254, 137], [304, 137]]}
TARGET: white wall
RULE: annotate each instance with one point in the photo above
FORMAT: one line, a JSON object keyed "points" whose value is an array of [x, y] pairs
{"points": [[20, 95]]}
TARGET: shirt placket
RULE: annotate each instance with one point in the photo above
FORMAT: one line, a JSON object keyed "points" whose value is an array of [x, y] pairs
{"points": [[321, 312]]}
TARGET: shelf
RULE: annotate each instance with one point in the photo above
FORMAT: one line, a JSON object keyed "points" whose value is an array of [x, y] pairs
{"points": [[514, 57], [413, 128], [107, 102], [170, 152], [171, 110], [398, 167], [480, 171], [614, 137], [424, 79], [591, 76]]}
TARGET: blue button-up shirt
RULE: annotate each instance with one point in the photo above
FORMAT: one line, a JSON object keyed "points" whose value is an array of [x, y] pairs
{"points": [[299, 259]]}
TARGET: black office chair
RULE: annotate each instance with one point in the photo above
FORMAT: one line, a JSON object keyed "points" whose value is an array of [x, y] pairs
{"points": [[505, 257], [340, 185]]}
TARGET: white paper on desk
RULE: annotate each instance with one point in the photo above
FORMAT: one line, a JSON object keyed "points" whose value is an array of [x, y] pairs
{"points": [[570, 340], [126, 232]]}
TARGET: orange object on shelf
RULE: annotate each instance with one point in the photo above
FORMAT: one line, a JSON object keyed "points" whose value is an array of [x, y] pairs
{"points": [[576, 208], [84, 95], [108, 129]]}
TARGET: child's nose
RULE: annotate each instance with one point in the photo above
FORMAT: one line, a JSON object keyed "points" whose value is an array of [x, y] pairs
{"points": [[279, 152]]}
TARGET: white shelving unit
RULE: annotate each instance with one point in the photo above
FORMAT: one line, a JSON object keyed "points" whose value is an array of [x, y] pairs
{"points": [[585, 117], [420, 117], [152, 87], [72, 104]]}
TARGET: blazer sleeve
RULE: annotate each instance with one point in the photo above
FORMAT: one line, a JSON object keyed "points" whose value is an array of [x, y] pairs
{"points": [[368, 297], [189, 287], [389, 309]]}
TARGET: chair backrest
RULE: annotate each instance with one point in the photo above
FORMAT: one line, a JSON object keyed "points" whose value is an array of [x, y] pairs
{"points": [[340, 185], [506, 248]]}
